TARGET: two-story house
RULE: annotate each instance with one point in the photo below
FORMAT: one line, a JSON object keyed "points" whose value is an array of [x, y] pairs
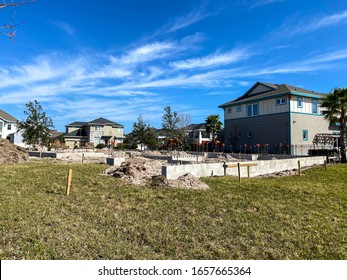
{"points": [[8, 129], [98, 131], [196, 133], [275, 115]]}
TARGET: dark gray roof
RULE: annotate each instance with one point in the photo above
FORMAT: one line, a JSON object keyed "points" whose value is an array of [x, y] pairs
{"points": [[195, 126], [7, 116], [103, 121], [99, 121], [270, 91], [80, 124]]}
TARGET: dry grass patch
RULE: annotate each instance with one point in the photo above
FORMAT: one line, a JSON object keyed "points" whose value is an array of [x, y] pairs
{"points": [[104, 218]]}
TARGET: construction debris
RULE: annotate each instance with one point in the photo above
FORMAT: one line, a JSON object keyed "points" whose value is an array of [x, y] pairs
{"points": [[142, 171], [10, 153]]}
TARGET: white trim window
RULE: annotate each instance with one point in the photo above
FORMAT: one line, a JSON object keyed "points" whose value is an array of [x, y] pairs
{"points": [[314, 106], [299, 102], [281, 101], [238, 108], [252, 110]]}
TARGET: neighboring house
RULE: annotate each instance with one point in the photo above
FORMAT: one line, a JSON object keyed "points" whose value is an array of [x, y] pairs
{"points": [[197, 134], [8, 129], [98, 131], [277, 115]]}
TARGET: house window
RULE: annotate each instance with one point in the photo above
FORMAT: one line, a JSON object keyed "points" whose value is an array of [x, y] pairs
{"points": [[252, 110], [249, 134], [97, 127], [9, 127], [299, 102], [314, 106], [229, 110], [305, 135], [281, 101], [238, 108]]}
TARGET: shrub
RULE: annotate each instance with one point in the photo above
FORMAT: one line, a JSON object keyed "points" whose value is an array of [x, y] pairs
{"points": [[100, 146], [322, 152]]}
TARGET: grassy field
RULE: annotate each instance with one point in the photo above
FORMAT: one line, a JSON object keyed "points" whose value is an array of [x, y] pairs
{"points": [[276, 218]]}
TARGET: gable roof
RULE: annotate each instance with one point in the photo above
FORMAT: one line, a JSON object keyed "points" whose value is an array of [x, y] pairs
{"points": [[268, 90], [99, 121], [7, 117], [194, 126], [103, 121], [79, 124]]}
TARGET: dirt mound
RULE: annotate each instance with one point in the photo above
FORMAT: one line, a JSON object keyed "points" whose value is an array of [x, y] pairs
{"points": [[10, 153], [188, 181], [140, 171], [136, 171]]}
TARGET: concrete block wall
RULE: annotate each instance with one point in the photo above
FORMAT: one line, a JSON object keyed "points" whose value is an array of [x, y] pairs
{"points": [[263, 167]]}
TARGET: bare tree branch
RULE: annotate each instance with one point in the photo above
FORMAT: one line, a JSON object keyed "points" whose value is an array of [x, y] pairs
{"points": [[10, 31]]}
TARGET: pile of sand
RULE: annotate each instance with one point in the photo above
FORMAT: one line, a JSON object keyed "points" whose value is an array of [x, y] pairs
{"points": [[186, 181], [141, 171], [136, 171], [10, 153]]}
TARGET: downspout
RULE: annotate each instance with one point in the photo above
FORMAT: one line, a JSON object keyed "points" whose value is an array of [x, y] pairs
{"points": [[290, 124]]}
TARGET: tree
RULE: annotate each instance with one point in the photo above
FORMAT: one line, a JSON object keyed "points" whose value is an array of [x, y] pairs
{"points": [[213, 124], [183, 121], [140, 130], [9, 29], [170, 122], [35, 129], [335, 109]]}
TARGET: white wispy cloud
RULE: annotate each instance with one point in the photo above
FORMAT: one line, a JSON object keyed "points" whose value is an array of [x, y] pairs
{"points": [[258, 3], [64, 26], [212, 60], [145, 53], [300, 26]]}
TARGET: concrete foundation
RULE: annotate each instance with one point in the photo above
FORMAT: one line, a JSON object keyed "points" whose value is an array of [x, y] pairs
{"points": [[263, 167], [115, 161]]}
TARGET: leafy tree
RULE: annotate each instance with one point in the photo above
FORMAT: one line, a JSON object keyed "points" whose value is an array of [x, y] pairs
{"points": [[335, 105], [142, 133], [170, 122], [213, 124], [35, 129]]}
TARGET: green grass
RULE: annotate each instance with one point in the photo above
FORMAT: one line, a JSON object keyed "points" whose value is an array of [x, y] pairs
{"points": [[276, 218]]}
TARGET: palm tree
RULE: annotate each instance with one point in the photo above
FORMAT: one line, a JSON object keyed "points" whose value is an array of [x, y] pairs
{"points": [[213, 124], [335, 105]]}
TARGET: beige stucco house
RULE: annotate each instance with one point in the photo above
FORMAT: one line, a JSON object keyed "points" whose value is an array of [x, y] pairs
{"points": [[98, 131]]}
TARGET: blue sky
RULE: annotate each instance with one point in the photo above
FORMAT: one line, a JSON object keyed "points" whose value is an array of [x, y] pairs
{"points": [[118, 59]]}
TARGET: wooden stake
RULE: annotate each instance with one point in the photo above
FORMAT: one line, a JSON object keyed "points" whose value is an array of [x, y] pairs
{"points": [[325, 165], [239, 171], [299, 168], [225, 169], [249, 171], [82, 157], [68, 183]]}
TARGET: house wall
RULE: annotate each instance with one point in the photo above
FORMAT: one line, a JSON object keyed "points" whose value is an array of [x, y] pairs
{"points": [[313, 124], [72, 128], [266, 129], [265, 107], [306, 105]]}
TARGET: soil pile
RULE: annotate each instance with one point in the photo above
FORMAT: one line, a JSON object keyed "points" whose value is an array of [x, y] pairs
{"points": [[137, 171], [141, 171], [186, 181], [10, 153]]}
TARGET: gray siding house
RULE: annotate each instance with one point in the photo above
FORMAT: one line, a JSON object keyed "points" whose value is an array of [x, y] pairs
{"points": [[280, 117]]}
